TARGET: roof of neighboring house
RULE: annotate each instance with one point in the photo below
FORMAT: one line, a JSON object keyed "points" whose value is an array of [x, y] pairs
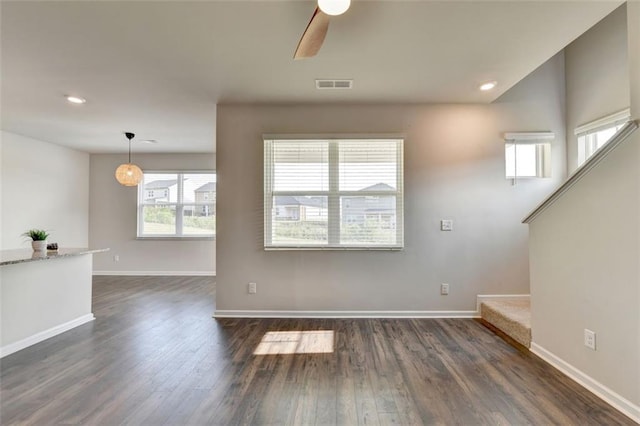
{"points": [[160, 184], [379, 187], [289, 200], [207, 187]]}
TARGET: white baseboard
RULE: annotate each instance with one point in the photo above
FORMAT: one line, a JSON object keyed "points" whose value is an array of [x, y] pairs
{"points": [[344, 314], [159, 273], [44, 335], [484, 297], [620, 403]]}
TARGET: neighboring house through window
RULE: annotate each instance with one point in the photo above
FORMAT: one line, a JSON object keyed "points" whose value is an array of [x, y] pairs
{"points": [[333, 193], [177, 204]]}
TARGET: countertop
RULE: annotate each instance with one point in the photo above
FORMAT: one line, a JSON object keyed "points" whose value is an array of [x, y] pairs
{"points": [[12, 257]]}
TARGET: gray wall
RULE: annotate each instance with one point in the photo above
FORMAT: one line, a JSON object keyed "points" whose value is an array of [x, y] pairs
{"points": [[112, 221], [597, 76], [454, 168], [585, 248], [585, 252], [44, 186]]}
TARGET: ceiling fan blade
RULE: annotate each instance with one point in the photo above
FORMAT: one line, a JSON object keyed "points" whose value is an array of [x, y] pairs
{"points": [[313, 36]]}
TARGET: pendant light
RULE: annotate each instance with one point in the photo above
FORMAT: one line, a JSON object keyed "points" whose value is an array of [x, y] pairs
{"points": [[129, 174]]}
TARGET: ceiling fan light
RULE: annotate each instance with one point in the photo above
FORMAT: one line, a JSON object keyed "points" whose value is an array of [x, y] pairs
{"points": [[128, 174], [334, 7]]}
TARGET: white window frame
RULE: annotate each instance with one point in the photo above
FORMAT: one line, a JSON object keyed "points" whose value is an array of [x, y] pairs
{"points": [[587, 143], [542, 142], [333, 194], [179, 205]]}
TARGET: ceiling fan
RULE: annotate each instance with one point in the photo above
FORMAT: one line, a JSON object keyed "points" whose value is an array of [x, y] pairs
{"points": [[313, 36]]}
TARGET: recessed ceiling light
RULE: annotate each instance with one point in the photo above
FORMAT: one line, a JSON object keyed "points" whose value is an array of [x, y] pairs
{"points": [[150, 141], [76, 99], [488, 86]]}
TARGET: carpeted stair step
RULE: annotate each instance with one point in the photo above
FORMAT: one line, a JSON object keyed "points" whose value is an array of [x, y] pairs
{"points": [[511, 316]]}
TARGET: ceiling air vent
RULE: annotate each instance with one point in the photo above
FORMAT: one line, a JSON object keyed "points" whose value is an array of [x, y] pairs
{"points": [[334, 84]]}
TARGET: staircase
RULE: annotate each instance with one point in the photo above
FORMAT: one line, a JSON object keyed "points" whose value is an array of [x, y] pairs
{"points": [[510, 316]]}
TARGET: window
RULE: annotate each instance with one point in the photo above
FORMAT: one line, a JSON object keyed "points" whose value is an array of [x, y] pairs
{"points": [[593, 136], [528, 155], [177, 204], [338, 193]]}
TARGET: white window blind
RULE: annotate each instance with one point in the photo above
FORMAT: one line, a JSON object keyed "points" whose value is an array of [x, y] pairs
{"points": [[343, 193]]}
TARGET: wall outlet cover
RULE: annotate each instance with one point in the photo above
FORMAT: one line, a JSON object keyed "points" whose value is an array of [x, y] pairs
{"points": [[590, 339]]}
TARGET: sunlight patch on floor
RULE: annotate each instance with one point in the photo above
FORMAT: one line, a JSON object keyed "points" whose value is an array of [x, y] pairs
{"points": [[296, 342]]}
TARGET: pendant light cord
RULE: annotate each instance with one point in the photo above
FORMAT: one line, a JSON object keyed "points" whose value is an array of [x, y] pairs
{"points": [[130, 136]]}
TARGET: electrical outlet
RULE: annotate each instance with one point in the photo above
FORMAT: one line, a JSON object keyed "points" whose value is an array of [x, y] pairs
{"points": [[590, 339], [446, 225], [444, 289], [253, 288], [116, 258]]}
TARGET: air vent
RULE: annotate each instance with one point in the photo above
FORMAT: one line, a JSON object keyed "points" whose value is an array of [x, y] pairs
{"points": [[334, 84]]}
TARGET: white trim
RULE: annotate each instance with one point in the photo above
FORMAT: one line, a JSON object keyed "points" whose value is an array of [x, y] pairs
{"points": [[618, 402], [520, 137], [485, 297], [334, 248], [44, 335], [608, 121], [332, 136], [343, 314], [175, 171], [159, 273]]}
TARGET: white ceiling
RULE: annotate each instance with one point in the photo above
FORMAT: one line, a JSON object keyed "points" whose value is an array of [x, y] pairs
{"points": [[158, 69]]}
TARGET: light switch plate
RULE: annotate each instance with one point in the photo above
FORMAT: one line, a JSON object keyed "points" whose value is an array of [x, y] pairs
{"points": [[446, 225]]}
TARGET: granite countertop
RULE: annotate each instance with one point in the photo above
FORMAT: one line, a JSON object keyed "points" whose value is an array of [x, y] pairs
{"points": [[11, 257]]}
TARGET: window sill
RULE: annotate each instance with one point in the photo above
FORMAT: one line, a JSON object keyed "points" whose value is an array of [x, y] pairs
{"points": [[297, 248], [176, 238]]}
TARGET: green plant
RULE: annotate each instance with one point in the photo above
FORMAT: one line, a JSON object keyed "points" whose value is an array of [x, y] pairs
{"points": [[159, 215], [36, 234]]}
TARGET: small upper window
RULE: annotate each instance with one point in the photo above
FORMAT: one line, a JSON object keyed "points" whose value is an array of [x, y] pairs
{"points": [[594, 135], [528, 155], [177, 204]]}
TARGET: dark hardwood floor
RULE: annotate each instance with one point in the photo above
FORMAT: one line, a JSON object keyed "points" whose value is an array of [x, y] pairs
{"points": [[155, 356]]}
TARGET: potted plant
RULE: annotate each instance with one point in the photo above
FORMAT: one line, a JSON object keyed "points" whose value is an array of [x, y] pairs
{"points": [[38, 239]]}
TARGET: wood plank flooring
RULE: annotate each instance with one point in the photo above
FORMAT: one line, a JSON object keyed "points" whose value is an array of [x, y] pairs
{"points": [[155, 356]]}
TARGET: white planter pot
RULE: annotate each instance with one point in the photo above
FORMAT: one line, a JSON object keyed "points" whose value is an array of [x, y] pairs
{"points": [[39, 245]]}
